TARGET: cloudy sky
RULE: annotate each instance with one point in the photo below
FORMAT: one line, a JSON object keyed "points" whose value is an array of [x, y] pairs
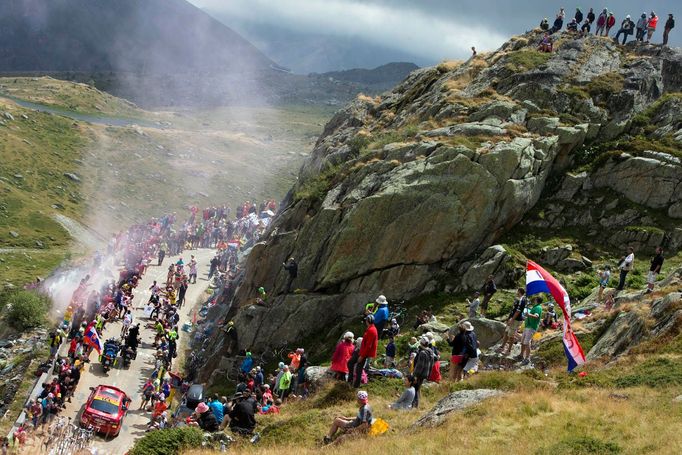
{"points": [[430, 30]]}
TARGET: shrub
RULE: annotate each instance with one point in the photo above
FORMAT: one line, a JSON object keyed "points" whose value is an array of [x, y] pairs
{"points": [[25, 309], [579, 445], [168, 442]]}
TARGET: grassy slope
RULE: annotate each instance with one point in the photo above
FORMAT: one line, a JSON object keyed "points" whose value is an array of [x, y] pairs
{"points": [[69, 96], [36, 152], [130, 173], [538, 415]]}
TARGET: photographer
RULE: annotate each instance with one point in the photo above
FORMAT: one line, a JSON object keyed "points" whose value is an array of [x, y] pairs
{"points": [[242, 413]]}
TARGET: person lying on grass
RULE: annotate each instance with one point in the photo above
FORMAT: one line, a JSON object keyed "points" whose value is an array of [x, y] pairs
{"points": [[349, 426]]}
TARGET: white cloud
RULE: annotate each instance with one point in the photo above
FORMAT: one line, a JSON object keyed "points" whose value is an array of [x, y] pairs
{"points": [[408, 29]]}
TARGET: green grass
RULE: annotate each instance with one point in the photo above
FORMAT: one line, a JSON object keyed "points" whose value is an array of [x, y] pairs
{"points": [[168, 442], [526, 60], [581, 445], [605, 85], [80, 98], [315, 188]]}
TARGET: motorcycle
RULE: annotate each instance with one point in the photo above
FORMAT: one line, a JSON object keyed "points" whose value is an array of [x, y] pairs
{"points": [[128, 354], [109, 354]]}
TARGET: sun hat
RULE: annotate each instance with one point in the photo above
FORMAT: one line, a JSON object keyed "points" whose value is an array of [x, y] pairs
{"points": [[467, 326], [381, 300], [201, 408], [362, 396], [348, 336]]}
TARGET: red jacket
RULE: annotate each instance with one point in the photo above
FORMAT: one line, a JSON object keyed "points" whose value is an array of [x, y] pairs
{"points": [[342, 353], [368, 348], [611, 21]]}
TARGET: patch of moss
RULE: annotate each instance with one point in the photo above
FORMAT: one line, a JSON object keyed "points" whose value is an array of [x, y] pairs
{"points": [[315, 189], [526, 60], [581, 445], [606, 84]]}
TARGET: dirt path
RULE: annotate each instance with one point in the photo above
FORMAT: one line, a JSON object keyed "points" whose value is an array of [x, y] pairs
{"points": [[131, 380]]}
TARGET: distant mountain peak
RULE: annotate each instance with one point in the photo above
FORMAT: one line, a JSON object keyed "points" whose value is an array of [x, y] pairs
{"points": [[150, 37]]}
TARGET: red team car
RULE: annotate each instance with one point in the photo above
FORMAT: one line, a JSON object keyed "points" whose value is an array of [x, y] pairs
{"points": [[105, 409]]}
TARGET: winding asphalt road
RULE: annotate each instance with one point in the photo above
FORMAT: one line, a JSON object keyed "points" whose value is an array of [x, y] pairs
{"points": [[130, 380]]}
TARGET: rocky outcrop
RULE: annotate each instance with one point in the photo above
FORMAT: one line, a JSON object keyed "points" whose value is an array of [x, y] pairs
{"points": [[495, 261], [456, 401], [404, 195], [627, 330], [646, 318], [654, 181]]}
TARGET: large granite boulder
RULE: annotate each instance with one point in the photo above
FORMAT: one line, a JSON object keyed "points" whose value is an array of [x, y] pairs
{"points": [[493, 261], [488, 331], [627, 330], [651, 182], [455, 401]]}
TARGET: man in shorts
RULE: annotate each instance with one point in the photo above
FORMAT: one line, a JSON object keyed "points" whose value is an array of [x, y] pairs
{"points": [[514, 321], [654, 269], [530, 327], [359, 424]]}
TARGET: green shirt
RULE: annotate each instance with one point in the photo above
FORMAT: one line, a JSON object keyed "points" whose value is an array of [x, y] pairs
{"points": [[285, 381], [534, 323]]}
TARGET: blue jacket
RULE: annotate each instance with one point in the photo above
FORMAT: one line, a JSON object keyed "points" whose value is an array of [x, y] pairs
{"points": [[218, 410], [381, 316], [247, 365]]}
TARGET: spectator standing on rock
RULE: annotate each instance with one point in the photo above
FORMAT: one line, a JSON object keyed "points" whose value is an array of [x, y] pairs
{"points": [[558, 24], [489, 289], [641, 27], [590, 16], [654, 269], [470, 361], [514, 321], [610, 22], [627, 27], [601, 22], [342, 354], [531, 326], [381, 314], [368, 350], [669, 25], [389, 362], [423, 363], [651, 26], [604, 278], [354, 360], [474, 305], [292, 267], [578, 15], [585, 29], [457, 357], [626, 264]]}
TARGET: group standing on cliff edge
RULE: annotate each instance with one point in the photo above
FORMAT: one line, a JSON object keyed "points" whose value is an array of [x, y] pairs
{"points": [[581, 24]]}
